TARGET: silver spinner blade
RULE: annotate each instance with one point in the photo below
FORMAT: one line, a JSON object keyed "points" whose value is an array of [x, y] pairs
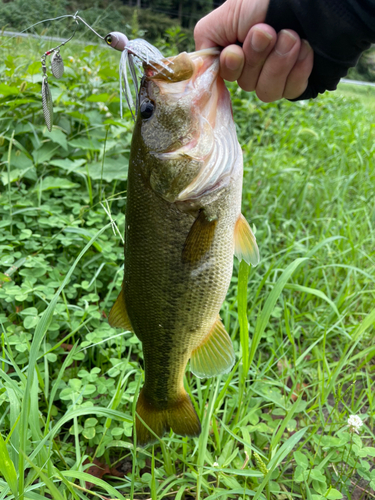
{"points": [[57, 65], [47, 103]]}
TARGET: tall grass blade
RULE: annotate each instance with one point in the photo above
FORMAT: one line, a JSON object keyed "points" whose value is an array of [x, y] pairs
{"points": [[264, 316], [55, 493], [9, 190], [14, 418], [243, 275], [203, 438], [67, 362], [285, 449], [84, 476], [153, 480], [7, 468], [366, 323], [276, 438]]}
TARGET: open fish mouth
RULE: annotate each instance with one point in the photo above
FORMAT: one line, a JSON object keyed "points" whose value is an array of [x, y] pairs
{"points": [[195, 80], [184, 66]]}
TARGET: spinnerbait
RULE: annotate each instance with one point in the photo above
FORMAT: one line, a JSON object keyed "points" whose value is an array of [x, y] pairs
{"points": [[134, 52], [46, 97], [57, 68]]}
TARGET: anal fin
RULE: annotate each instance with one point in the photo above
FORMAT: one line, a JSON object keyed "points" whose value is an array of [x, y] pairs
{"points": [[199, 239], [215, 355], [118, 317], [245, 245]]}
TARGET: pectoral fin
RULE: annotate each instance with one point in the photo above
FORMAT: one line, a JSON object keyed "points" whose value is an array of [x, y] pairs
{"points": [[215, 355], [199, 239], [118, 317], [245, 245]]}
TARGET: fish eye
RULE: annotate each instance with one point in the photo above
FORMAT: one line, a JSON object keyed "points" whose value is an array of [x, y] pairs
{"points": [[146, 109]]}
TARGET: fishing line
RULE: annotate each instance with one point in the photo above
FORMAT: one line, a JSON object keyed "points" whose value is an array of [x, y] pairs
{"points": [[134, 53], [36, 24]]}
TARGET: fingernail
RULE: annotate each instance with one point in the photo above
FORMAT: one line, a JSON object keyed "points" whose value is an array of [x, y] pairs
{"points": [[260, 40], [285, 42], [233, 61], [305, 50]]}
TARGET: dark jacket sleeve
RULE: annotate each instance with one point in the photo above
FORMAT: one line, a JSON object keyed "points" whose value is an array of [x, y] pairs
{"points": [[338, 31]]}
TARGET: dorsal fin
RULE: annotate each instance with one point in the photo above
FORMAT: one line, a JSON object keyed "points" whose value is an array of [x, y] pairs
{"points": [[215, 355], [118, 317], [245, 245]]}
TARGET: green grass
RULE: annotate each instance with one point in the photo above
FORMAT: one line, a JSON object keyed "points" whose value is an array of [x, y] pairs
{"points": [[364, 93], [302, 322]]}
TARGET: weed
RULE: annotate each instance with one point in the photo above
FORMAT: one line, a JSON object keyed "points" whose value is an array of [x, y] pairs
{"points": [[301, 322]]}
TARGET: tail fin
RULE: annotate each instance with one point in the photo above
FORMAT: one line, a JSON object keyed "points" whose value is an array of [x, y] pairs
{"points": [[180, 416]]}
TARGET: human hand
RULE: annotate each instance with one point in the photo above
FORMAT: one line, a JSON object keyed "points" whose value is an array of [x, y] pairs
{"points": [[274, 65]]}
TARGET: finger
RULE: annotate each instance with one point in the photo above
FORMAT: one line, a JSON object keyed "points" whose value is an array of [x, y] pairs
{"points": [[229, 22], [272, 79], [216, 29], [298, 78], [257, 45], [231, 63]]}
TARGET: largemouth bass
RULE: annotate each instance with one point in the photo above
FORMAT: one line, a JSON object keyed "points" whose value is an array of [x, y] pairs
{"points": [[183, 225]]}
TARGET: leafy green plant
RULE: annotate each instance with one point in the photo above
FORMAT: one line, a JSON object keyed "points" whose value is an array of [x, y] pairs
{"points": [[301, 323]]}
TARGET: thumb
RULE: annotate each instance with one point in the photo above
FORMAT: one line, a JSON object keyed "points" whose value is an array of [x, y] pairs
{"points": [[229, 23]]}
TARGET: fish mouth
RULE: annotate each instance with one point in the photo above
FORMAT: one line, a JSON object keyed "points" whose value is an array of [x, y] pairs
{"points": [[182, 67], [195, 80]]}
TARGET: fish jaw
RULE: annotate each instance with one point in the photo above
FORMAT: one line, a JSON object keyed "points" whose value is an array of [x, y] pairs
{"points": [[198, 155], [202, 90]]}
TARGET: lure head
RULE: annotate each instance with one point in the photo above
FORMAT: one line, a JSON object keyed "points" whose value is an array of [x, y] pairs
{"points": [[117, 40]]}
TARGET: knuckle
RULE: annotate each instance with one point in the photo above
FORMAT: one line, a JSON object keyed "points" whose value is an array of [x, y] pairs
{"points": [[247, 87], [198, 28], [292, 91], [248, 81], [268, 96], [246, 84], [252, 62]]}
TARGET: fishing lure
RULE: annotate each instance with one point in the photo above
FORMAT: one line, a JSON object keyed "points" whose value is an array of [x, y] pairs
{"points": [[57, 69], [57, 65], [134, 54], [46, 98]]}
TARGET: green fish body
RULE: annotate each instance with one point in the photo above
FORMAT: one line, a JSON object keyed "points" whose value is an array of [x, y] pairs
{"points": [[183, 225]]}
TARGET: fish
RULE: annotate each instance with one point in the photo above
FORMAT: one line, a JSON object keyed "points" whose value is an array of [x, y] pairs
{"points": [[183, 225]]}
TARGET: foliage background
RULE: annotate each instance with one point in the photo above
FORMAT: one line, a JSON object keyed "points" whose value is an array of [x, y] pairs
{"points": [[302, 322], [144, 17]]}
